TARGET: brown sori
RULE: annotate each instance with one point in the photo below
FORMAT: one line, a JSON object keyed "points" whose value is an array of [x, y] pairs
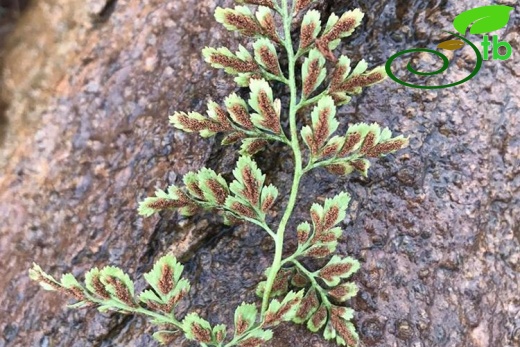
{"points": [[242, 210], [241, 326], [301, 4], [241, 116], [233, 137], [166, 280], [99, 288], [251, 186], [222, 117], [330, 217], [359, 165], [351, 142], [319, 252], [316, 220], [174, 300], [76, 292], [360, 81], [163, 204], [218, 190], [344, 25], [324, 237], [368, 143], [271, 120], [270, 60], [299, 280], [337, 169], [168, 338], [313, 73], [319, 317], [339, 324], [271, 317], [198, 125], [337, 77], [302, 235], [245, 24], [322, 128], [269, 27], [256, 146], [121, 291], [195, 190], [219, 336], [309, 303], [267, 203], [339, 292], [330, 271], [201, 334], [386, 147], [329, 150], [281, 282], [251, 342], [307, 35], [234, 63], [309, 138]]}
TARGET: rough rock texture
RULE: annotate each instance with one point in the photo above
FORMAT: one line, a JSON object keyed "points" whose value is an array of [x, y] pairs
{"points": [[89, 88]]}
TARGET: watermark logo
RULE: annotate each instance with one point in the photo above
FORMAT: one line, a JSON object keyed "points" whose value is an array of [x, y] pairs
{"points": [[482, 20]]}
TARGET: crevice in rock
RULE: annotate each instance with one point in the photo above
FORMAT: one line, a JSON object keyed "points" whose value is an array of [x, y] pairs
{"points": [[106, 11], [12, 7], [118, 325], [4, 123], [10, 11]]}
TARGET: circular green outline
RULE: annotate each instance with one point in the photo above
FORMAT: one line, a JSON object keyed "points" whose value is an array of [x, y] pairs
{"points": [[445, 63], [442, 69]]}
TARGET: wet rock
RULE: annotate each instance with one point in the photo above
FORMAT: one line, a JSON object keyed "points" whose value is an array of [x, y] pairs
{"points": [[404, 330], [436, 226], [372, 330]]}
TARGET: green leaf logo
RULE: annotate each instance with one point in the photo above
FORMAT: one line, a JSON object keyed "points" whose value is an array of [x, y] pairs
{"points": [[485, 19]]}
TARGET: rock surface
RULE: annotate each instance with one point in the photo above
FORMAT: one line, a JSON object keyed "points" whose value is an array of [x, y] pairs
{"points": [[89, 88]]}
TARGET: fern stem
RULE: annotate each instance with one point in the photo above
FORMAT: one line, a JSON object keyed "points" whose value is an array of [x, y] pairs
{"points": [[169, 319], [295, 145], [313, 100]]}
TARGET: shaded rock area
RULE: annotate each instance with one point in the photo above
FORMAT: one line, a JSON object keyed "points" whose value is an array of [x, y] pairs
{"points": [[10, 11], [88, 88]]}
